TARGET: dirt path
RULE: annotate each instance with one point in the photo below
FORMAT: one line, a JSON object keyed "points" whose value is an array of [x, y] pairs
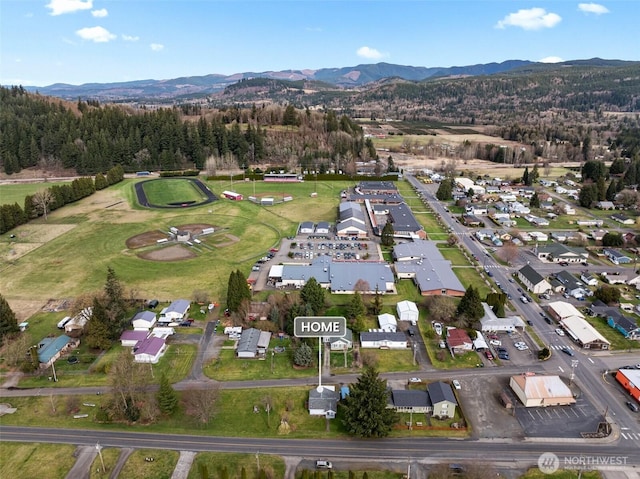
{"points": [[183, 466]]}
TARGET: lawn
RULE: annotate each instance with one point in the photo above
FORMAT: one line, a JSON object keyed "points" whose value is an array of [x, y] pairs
{"points": [[162, 466], [234, 463], [536, 473], [171, 191], [10, 194], [470, 276], [110, 457], [31, 460], [454, 255]]}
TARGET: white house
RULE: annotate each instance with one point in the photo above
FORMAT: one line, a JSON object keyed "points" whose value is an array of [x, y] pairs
{"points": [[149, 350], [388, 322], [130, 338], [491, 323], [383, 340], [340, 343], [144, 320], [407, 311], [176, 311]]}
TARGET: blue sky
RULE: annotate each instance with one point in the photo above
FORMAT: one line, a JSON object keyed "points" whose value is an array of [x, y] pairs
{"points": [[87, 41]]}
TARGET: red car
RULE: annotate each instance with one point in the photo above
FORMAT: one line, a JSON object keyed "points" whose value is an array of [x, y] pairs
{"points": [[488, 354]]}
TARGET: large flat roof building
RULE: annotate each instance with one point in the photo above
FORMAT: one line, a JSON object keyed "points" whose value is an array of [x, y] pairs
{"points": [[541, 391]]}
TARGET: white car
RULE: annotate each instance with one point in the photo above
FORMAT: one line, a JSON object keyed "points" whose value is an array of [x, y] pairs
{"points": [[520, 346], [495, 342], [456, 384], [438, 328], [415, 380], [559, 332]]}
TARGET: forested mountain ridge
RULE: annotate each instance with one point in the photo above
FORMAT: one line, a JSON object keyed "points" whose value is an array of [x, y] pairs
{"points": [[338, 78]]}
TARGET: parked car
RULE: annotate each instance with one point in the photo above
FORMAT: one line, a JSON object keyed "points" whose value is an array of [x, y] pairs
{"points": [[488, 354], [632, 406], [524, 300], [568, 351], [324, 465], [520, 346], [438, 328], [529, 322], [495, 342], [415, 380], [442, 344], [504, 356], [501, 350], [559, 332], [456, 384]]}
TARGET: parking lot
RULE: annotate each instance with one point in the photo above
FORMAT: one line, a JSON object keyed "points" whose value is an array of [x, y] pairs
{"points": [[558, 421], [506, 341]]}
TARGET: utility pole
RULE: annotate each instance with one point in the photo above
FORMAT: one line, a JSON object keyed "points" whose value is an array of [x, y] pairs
{"points": [[258, 460], [53, 369], [99, 449]]}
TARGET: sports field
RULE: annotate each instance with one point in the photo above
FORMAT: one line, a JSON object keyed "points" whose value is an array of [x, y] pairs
{"points": [[92, 235], [172, 191], [10, 194]]}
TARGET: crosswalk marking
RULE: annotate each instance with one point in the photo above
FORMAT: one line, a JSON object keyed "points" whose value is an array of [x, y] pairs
{"points": [[558, 347], [630, 436]]}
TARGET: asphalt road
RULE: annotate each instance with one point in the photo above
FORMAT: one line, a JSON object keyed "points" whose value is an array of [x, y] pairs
{"points": [[436, 449]]}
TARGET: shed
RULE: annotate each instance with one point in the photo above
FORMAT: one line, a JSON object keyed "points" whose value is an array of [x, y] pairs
{"points": [[407, 311], [144, 320], [387, 322]]}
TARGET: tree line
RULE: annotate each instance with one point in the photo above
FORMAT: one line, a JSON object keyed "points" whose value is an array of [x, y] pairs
{"points": [[49, 199], [87, 137]]}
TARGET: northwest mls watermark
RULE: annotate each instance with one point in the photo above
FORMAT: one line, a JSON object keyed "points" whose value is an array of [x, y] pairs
{"points": [[548, 462]]}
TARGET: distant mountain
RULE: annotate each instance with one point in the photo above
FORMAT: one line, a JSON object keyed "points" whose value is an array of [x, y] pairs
{"points": [[184, 87]]}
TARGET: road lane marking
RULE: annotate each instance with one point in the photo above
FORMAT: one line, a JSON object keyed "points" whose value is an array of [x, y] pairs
{"points": [[591, 360], [560, 368]]}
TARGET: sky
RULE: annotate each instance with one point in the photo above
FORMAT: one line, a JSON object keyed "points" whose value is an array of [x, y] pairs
{"points": [[43, 42]]}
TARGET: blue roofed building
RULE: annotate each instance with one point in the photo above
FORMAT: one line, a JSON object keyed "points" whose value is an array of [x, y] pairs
{"points": [[50, 349]]}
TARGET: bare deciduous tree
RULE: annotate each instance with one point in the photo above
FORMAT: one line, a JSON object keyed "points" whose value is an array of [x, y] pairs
{"points": [[201, 403], [508, 252], [441, 308], [14, 350], [42, 199]]}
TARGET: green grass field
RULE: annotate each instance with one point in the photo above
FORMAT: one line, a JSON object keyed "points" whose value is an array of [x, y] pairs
{"points": [[168, 191], [10, 194], [52, 461]]}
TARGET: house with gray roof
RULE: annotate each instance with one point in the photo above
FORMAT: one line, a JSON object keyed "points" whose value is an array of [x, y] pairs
{"points": [[624, 219], [571, 284], [253, 343], [144, 320], [616, 257], [176, 311], [377, 187], [383, 340], [558, 252], [442, 399], [340, 343], [323, 400], [410, 400], [533, 281]]}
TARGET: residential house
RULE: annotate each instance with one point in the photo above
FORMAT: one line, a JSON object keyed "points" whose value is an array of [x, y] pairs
{"points": [[627, 326], [571, 284], [50, 349], [383, 340], [149, 350], [458, 341], [253, 343], [533, 281], [624, 219], [597, 235], [615, 278], [475, 209], [323, 401], [407, 311], [443, 401], [403, 400], [340, 343], [130, 338], [536, 220], [588, 279], [175, 312], [491, 323], [144, 320], [471, 221], [538, 236], [605, 205], [616, 257], [567, 209]]}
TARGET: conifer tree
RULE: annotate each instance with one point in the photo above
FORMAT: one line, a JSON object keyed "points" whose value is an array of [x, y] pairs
{"points": [[8, 321], [167, 396]]}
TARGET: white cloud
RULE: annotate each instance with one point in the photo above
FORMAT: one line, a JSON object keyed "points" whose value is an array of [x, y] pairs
{"points": [[531, 19], [370, 53], [593, 8], [60, 7], [100, 13], [551, 60], [96, 34], [130, 38], [156, 47]]}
